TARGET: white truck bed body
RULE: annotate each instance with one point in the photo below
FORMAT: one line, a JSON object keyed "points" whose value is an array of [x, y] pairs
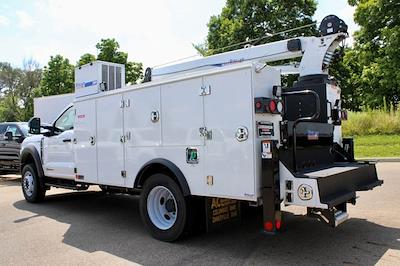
{"points": [[126, 138]]}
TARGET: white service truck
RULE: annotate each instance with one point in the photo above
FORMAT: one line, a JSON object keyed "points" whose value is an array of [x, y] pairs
{"points": [[201, 138]]}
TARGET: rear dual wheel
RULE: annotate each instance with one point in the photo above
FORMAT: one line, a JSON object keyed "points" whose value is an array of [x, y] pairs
{"points": [[163, 208]]}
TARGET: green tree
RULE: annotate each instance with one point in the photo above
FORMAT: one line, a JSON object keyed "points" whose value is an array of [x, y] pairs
{"points": [[58, 77], [241, 20], [28, 88], [109, 51], [86, 59], [376, 51], [10, 81], [345, 68]]}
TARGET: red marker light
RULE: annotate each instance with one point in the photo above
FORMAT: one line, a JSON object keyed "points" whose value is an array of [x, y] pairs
{"points": [[278, 224], [258, 105], [272, 106], [268, 226]]}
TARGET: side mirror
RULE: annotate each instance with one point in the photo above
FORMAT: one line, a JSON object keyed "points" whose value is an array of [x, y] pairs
{"points": [[9, 136], [34, 125]]}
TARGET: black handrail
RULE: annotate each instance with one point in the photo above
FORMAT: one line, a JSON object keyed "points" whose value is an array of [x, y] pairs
{"points": [[303, 119]]}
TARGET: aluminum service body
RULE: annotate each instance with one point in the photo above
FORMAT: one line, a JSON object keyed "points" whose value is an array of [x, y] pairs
{"points": [[201, 118]]}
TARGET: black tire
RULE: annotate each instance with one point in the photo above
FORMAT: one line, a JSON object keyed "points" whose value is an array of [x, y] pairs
{"points": [[104, 189], [181, 224], [38, 191]]}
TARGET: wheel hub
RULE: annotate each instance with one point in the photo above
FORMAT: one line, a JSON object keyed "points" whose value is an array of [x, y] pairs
{"points": [[170, 205], [162, 207], [27, 183]]}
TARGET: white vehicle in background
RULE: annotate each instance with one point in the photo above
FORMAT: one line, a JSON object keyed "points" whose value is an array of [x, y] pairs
{"points": [[48, 108], [200, 138]]}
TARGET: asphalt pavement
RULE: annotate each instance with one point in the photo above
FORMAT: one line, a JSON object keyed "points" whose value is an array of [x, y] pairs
{"points": [[93, 228]]}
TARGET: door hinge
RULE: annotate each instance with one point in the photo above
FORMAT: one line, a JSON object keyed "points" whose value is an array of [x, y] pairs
{"points": [[205, 90], [125, 103], [207, 134], [123, 173], [128, 136]]}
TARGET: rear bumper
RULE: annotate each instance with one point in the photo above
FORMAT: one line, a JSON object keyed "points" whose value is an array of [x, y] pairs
{"points": [[339, 182]]}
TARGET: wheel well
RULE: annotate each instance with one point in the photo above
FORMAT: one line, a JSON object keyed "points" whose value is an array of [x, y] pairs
{"points": [[30, 156], [166, 168], [26, 158]]}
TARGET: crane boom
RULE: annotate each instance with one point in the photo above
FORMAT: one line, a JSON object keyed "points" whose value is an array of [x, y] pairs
{"points": [[316, 53]]}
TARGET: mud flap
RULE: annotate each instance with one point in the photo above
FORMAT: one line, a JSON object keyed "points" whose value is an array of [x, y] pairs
{"points": [[221, 212]]}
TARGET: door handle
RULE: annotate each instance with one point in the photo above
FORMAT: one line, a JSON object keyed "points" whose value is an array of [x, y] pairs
{"points": [[66, 140]]}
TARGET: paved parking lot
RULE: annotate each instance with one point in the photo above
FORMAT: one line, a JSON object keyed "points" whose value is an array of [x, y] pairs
{"points": [[95, 228]]}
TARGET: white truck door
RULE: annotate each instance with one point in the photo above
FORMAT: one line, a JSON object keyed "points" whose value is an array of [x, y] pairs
{"points": [[182, 111], [58, 159], [85, 146], [142, 123], [110, 140], [182, 117], [228, 111]]}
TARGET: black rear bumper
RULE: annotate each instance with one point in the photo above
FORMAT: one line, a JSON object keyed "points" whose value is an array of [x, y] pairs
{"points": [[339, 182]]}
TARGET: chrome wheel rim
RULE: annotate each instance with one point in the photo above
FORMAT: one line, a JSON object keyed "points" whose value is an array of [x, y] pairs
{"points": [[27, 183], [162, 207]]}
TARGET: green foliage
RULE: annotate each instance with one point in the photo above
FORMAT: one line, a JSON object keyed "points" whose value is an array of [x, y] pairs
{"points": [[58, 77], [372, 122], [241, 20], [345, 69], [86, 59], [374, 63], [17, 88]]}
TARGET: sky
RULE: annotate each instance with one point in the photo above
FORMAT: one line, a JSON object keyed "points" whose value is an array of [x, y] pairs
{"points": [[152, 31]]}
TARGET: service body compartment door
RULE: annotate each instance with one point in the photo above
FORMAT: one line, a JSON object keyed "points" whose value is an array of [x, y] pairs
{"points": [[110, 140], [85, 141], [142, 118], [142, 122], [229, 110], [182, 111]]}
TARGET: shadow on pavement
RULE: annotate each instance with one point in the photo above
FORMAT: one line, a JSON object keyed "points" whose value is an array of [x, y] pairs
{"points": [[111, 223]]}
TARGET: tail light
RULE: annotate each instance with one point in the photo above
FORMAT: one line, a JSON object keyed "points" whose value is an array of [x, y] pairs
{"points": [[266, 105], [271, 107]]}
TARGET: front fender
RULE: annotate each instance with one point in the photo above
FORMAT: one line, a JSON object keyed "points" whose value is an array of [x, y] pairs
{"points": [[30, 154]]}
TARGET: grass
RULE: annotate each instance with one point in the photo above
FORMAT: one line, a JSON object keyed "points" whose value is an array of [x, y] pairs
{"points": [[376, 133], [377, 146], [372, 122]]}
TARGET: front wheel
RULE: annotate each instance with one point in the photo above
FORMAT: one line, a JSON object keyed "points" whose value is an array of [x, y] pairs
{"points": [[32, 188], [163, 208]]}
